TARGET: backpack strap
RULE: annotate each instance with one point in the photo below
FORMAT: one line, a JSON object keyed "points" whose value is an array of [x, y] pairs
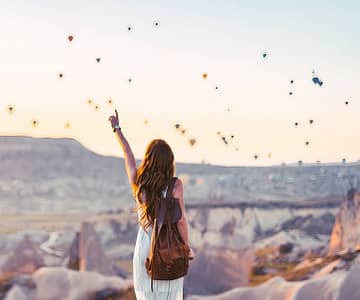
{"points": [[160, 216], [163, 203]]}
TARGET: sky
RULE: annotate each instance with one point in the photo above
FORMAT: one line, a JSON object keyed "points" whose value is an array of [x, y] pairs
{"points": [[224, 39]]}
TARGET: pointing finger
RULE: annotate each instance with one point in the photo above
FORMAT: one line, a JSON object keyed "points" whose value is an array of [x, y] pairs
{"points": [[117, 115]]}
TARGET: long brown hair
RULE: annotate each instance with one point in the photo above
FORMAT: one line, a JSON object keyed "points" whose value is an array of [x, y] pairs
{"points": [[153, 175]]}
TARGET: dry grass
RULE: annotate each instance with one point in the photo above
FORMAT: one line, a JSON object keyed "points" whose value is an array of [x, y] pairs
{"points": [[53, 222], [286, 269]]}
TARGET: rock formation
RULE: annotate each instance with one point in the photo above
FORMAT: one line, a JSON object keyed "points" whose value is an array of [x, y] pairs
{"points": [[346, 230], [25, 258], [341, 285], [215, 270], [87, 254], [52, 283]]}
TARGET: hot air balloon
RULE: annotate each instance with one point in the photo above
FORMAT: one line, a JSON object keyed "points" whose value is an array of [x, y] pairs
{"points": [[296, 123], [346, 102], [264, 55], [70, 38], [256, 156], [290, 93], [177, 126], [146, 122], [10, 109], [316, 79], [204, 75], [156, 24], [110, 102], [307, 143], [61, 75], [34, 123], [98, 59], [67, 125], [129, 28], [183, 131], [192, 142], [89, 101], [291, 81], [96, 107], [311, 121]]}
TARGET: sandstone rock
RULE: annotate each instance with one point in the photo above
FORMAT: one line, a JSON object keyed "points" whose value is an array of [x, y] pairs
{"points": [[346, 230], [25, 258], [61, 283], [216, 270], [16, 293], [87, 254], [341, 285]]}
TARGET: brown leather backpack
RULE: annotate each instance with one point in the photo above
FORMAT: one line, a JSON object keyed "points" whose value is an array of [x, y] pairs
{"points": [[168, 254]]}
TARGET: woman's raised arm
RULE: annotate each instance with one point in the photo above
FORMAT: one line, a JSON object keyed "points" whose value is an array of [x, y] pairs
{"points": [[130, 163]]}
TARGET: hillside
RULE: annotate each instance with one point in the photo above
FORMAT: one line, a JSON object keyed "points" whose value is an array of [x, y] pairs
{"points": [[60, 174]]}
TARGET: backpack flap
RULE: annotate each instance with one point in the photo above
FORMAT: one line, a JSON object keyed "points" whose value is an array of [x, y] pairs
{"points": [[168, 255]]}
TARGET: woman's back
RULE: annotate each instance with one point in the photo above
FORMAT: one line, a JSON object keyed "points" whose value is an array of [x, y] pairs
{"points": [[162, 289]]}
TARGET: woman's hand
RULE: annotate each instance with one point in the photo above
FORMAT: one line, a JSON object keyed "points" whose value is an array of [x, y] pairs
{"points": [[191, 254], [114, 119]]}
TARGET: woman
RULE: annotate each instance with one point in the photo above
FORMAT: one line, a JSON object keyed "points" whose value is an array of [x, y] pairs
{"points": [[148, 182]]}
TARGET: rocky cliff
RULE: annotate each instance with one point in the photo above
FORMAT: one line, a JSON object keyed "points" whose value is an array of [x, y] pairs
{"points": [[346, 230]]}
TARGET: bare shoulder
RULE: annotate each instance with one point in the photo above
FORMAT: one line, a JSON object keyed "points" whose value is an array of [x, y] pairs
{"points": [[178, 188]]}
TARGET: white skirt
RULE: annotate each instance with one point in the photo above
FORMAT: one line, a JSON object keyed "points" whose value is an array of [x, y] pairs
{"points": [[162, 289]]}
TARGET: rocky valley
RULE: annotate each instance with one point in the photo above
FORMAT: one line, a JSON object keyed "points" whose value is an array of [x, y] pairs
{"points": [[285, 228]]}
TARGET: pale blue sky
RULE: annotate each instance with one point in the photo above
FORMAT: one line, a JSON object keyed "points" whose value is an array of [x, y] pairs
{"points": [[223, 39]]}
